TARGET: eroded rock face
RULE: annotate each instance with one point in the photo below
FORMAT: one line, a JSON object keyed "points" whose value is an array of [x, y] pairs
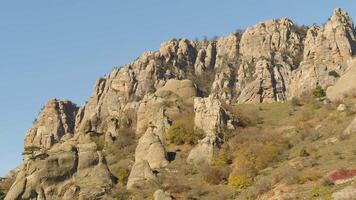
{"points": [[269, 54], [271, 61], [161, 195], [141, 173], [68, 170], [345, 85], [154, 115], [151, 149], [327, 50], [56, 120], [210, 117]]}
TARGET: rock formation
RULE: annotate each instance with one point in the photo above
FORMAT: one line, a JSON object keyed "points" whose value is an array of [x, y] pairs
{"points": [[210, 117], [66, 150], [55, 121]]}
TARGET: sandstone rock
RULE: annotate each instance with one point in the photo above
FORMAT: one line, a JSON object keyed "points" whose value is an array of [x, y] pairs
{"points": [[161, 195], [56, 119]]}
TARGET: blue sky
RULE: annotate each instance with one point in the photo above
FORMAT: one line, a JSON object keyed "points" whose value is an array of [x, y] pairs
{"points": [[59, 48]]}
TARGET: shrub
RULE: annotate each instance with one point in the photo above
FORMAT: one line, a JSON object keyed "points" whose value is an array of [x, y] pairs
{"points": [[265, 154], [240, 181], [213, 175], [122, 174], [99, 141], [221, 158], [321, 192], [243, 172], [334, 74], [31, 150], [296, 102], [319, 92], [2, 195], [263, 186], [308, 175], [182, 132]]}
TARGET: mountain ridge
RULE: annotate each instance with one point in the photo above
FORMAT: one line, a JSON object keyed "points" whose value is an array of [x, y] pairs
{"points": [[119, 135]]}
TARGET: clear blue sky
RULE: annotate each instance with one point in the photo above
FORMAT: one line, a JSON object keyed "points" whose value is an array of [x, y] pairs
{"points": [[58, 48]]}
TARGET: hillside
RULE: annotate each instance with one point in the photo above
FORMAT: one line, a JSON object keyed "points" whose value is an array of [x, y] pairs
{"points": [[266, 113]]}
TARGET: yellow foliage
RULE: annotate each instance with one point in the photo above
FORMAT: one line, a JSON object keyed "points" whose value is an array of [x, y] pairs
{"points": [[182, 132]]}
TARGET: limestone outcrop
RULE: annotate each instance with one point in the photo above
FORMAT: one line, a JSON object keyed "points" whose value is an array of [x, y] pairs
{"points": [[345, 85], [66, 150], [68, 170], [327, 50], [210, 118], [56, 120]]}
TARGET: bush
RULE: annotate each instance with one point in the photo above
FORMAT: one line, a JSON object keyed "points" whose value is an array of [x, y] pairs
{"points": [[222, 157], [2, 195], [334, 74], [321, 192], [31, 150], [122, 175], [243, 172], [265, 154], [308, 175], [239, 181], [182, 132], [296, 102], [213, 175], [319, 92], [99, 141]]}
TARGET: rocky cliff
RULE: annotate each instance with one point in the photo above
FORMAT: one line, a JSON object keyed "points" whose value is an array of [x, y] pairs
{"points": [[118, 136]]}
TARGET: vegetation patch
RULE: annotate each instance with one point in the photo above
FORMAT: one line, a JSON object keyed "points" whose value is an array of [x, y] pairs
{"points": [[182, 132]]}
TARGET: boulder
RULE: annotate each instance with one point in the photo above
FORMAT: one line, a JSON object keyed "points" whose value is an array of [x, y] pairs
{"points": [[161, 195], [341, 108], [347, 193], [141, 174], [67, 165], [151, 149], [351, 128], [345, 85]]}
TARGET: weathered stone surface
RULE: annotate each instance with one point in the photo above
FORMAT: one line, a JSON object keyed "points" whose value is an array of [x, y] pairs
{"points": [[66, 165], [345, 85], [341, 108], [210, 117], [347, 193], [151, 149], [56, 119], [271, 61], [202, 153], [161, 195], [326, 52], [141, 173], [351, 128]]}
